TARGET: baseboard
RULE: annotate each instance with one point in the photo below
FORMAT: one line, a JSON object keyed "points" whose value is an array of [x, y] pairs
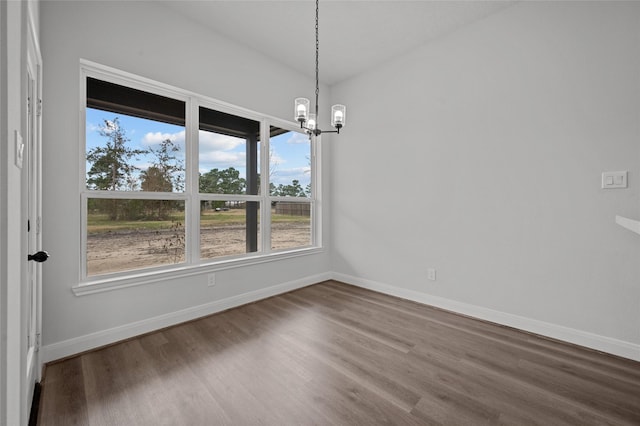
{"points": [[87, 342], [80, 344], [577, 337]]}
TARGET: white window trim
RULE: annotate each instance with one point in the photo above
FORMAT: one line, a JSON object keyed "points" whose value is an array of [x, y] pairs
{"points": [[192, 265]]}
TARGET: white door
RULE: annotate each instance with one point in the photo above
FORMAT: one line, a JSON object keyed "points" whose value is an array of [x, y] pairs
{"points": [[32, 168]]}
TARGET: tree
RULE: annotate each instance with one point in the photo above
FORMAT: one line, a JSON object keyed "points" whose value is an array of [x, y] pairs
{"points": [[110, 168], [274, 162], [293, 190], [154, 179], [168, 167], [226, 181], [166, 174]]}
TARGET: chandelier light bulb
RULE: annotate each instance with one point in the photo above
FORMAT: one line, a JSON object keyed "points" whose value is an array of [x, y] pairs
{"points": [[311, 123], [302, 109], [338, 116]]}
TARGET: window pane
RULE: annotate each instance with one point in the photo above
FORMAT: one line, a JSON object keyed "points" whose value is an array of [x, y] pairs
{"points": [[126, 153], [135, 140], [289, 163], [229, 228], [229, 153], [133, 234], [290, 225]]}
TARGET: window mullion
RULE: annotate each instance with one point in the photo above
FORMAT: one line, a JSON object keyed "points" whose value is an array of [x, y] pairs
{"points": [[193, 182], [265, 219]]}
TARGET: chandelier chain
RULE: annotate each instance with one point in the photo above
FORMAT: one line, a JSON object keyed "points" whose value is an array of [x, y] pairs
{"points": [[309, 120], [317, 60]]}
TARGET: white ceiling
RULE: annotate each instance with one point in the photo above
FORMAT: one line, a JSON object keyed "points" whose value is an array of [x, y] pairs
{"points": [[354, 35]]}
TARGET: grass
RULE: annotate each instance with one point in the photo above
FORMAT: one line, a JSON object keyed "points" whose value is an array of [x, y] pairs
{"points": [[280, 218], [100, 223]]}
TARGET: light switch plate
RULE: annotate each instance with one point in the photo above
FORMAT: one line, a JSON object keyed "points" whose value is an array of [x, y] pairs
{"points": [[19, 149], [612, 180]]}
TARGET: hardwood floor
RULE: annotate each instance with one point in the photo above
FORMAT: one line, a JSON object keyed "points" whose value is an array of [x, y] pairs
{"points": [[333, 354]]}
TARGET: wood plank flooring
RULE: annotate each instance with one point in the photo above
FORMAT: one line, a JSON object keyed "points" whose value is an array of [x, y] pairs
{"points": [[333, 354]]}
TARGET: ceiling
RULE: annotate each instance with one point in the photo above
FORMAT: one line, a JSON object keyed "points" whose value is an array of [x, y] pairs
{"points": [[355, 35]]}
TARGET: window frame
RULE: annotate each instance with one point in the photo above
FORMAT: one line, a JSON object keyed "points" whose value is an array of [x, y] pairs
{"points": [[193, 264]]}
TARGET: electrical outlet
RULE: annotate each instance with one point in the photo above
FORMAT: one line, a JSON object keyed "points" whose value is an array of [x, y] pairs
{"points": [[211, 280], [431, 274]]}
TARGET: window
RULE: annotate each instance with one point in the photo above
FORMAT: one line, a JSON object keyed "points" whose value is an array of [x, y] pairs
{"points": [[228, 164], [290, 188], [174, 179]]}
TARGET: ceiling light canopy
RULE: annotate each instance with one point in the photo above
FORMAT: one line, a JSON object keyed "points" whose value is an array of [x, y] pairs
{"points": [[302, 108]]}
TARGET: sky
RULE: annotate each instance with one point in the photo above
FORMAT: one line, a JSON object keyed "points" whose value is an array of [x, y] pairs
{"points": [[290, 152]]}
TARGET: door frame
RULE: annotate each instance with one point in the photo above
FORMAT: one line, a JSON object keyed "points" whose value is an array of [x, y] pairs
{"points": [[16, 26], [31, 292]]}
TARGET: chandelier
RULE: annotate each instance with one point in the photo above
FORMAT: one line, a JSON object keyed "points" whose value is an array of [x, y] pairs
{"points": [[308, 120]]}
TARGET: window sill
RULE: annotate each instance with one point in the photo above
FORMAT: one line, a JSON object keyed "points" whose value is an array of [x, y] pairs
{"points": [[100, 285]]}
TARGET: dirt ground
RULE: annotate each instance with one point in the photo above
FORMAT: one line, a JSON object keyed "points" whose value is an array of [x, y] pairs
{"points": [[122, 251]]}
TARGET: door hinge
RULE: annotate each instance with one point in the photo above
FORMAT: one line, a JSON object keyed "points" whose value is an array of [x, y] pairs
{"points": [[38, 225], [28, 104], [39, 110], [37, 342]]}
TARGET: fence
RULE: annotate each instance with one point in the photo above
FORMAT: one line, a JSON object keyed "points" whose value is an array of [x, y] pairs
{"points": [[293, 209]]}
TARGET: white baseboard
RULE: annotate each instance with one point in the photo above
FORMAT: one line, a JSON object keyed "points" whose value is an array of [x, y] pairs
{"points": [[80, 344], [87, 342], [578, 337]]}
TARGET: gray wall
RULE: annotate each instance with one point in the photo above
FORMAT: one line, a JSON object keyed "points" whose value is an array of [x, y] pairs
{"points": [[149, 40], [481, 155]]}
